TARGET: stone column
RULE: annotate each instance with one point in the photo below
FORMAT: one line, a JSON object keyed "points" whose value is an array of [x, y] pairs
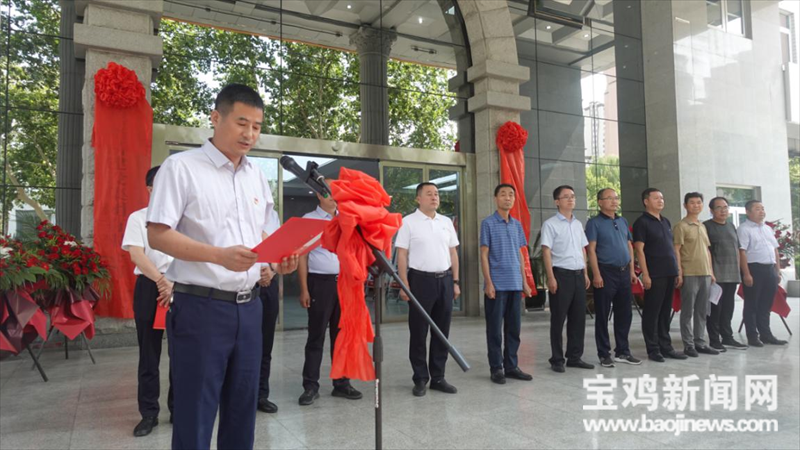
{"points": [[496, 76], [70, 127], [374, 47], [122, 31]]}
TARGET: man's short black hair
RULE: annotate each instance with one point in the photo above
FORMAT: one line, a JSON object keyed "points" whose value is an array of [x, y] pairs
{"points": [[557, 191], [503, 185], [749, 205], [151, 176], [423, 184], [601, 191], [646, 193], [690, 196], [233, 93], [714, 200]]}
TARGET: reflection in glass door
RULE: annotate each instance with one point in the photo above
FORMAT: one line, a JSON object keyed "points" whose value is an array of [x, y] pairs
{"points": [[400, 181]]}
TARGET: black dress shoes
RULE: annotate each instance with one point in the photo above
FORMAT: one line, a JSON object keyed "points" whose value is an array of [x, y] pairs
{"points": [[557, 368], [498, 377], [443, 386], [146, 426], [518, 374], [419, 389], [772, 340], [656, 357], [690, 351], [348, 392], [733, 343], [754, 342], [707, 350], [675, 355], [264, 405], [308, 397], [580, 364]]}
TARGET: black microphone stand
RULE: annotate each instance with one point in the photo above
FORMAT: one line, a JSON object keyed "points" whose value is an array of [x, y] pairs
{"points": [[381, 267]]}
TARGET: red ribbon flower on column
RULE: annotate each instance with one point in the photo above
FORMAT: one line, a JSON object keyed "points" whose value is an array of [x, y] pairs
{"points": [[511, 139], [122, 139]]}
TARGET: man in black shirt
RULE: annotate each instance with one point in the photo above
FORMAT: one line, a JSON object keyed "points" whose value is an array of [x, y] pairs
{"points": [[652, 239]]}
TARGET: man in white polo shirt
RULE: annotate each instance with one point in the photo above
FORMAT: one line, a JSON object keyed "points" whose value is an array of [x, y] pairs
{"points": [[318, 272], [210, 206], [758, 257], [428, 263]]}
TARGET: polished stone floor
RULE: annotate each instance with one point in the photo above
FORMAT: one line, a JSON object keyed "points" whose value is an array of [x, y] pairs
{"points": [[86, 406]]}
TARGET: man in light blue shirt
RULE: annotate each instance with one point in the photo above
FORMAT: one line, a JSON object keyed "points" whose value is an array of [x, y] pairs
{"points": [[563, 243], [503, 266]]}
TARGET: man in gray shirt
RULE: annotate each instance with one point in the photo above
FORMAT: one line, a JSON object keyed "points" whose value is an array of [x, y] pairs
{"points": [[725, 259]]}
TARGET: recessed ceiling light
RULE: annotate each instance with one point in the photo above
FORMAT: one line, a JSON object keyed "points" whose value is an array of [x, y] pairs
{"points": [[548, 27], [419, 19], [349, 6], [586, 35]]}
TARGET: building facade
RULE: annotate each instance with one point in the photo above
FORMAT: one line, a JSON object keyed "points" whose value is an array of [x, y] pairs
{"points": [[683, 95]]}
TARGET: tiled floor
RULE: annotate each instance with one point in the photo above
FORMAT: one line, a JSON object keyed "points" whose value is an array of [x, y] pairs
{"points": [[94, 406]]}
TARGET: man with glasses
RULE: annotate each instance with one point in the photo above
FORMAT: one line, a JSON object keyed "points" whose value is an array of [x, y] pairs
{"points": [[563, 242], [695, 275], [610, 257], [652, 240], [758, 257], [725, 262]]}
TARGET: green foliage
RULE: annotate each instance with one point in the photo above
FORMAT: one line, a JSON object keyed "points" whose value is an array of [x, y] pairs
{"points": [[32, 78], [794, 188], [310, 91], [602, 173]]}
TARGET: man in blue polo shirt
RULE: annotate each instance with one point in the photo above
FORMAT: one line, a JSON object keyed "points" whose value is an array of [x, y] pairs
{"points": [[610, 255], [503, 266]]}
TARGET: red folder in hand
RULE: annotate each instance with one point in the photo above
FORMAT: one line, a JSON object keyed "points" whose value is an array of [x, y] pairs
{"points": [[296, 237], [160, 322]]}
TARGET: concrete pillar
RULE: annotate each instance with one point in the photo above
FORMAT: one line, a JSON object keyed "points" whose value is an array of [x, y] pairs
{"points": [[374, 47], [70, 127], [122, 31], [495, 75]]}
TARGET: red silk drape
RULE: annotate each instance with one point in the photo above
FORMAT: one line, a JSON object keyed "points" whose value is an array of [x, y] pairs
{"points": [[362, 203], [511, 138], [122, 140]]}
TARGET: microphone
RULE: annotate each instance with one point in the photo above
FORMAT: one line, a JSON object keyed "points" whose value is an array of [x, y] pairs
{"points": [[310, 177]]}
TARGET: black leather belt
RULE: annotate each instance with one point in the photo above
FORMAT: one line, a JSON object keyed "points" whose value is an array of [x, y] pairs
{"points": [[569, 271], [624, 268], [217, 294], [431, 274], [326, 276]]}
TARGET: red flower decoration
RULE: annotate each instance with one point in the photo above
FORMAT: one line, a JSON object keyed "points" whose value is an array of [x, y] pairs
{"points": [[117, 86], [511, 137]]}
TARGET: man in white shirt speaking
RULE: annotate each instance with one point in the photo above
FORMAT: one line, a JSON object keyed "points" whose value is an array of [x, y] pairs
{"points": [[427, 262], [210, 206]]}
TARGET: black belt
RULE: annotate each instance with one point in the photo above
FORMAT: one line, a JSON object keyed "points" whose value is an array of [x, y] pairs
{"points": [[326, 276], [431, 274], [217, 294], [624, 268], [569, 271]]}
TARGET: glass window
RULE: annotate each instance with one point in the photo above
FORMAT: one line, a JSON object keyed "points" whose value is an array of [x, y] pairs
{"points": [[727, 15], [735, 16], [714, 12], [738, 196]]}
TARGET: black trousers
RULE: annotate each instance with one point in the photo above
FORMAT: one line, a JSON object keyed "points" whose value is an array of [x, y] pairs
{"points": [[269, 301], [568, 304], [758, 300], [718, 323], [616, 294], [656, 316], [436, 297], [323, 313], [145, 296]]}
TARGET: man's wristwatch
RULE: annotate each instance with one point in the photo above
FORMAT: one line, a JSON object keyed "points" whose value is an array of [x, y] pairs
{"points": [[457, 283]]}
